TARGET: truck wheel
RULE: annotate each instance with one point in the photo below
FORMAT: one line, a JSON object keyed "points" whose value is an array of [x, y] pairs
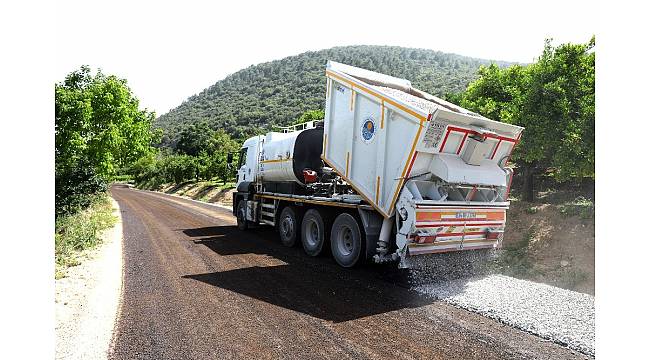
{"points": [[313, 232], [242, 223], [289, 226], [346, 241]]}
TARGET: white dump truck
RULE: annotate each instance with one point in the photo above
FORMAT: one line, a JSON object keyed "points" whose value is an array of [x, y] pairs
{"points": [[391, 172]]}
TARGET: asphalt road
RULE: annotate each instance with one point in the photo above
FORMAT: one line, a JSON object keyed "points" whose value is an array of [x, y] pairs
{"points": [[195, 287]]}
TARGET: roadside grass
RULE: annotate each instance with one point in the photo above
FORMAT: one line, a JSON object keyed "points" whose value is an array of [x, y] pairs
{"points": [[127, 179], [80, 231], [579, 206], [531, 210]]}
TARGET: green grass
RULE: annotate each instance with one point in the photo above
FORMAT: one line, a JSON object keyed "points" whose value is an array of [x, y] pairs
{"points": [[579, 206], [531, 210], [80, 231], [123, 178]]}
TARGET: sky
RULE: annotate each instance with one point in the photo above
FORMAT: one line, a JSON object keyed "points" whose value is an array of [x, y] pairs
{"points": [[169, 51]]}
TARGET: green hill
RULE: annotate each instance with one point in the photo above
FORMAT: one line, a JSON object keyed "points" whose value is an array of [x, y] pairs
{"points": [[277, 92]]}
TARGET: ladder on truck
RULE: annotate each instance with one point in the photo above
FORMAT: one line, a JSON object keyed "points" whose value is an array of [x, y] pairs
{"points": [[268, 206], [267, 211]]}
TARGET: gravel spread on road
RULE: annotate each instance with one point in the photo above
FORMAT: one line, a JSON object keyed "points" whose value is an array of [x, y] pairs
{"points": [[196, 287], [87, 299], [563, 316]]}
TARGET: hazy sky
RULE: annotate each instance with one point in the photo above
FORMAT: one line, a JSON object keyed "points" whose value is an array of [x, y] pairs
{"points": [[169, 51]]}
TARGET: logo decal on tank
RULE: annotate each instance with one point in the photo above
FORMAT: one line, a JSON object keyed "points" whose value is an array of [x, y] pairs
{"points": [[368, 130]]}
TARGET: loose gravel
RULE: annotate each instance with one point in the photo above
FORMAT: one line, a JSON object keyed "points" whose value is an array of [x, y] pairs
{"points": [[563, 316], [423, 104], [87, 299]]}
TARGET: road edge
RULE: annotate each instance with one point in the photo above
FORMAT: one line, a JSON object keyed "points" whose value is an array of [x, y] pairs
{"points": [[186, 198], [88, 329]]}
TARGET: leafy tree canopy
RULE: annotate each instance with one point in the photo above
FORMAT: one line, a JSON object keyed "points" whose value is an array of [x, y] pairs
{"points": [[554, 99], [98, 129], [98, 120], [199, 139], [310, 116]]}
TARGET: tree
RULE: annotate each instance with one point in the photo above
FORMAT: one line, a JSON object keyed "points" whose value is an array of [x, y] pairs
{"points": [[98, 127], [310, 115], [196, 138], [97, 118], [273, 94], [224, 145], [554, 99]]}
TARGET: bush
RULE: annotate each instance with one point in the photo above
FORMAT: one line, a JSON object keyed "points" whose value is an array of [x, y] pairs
{"points": [[152, 171], [579, 206], [179, 168], [75, 188], [123, 178], [80, 231]]}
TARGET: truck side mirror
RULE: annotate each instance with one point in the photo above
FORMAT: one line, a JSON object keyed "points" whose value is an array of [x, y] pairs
{"points": [[229, 158]]}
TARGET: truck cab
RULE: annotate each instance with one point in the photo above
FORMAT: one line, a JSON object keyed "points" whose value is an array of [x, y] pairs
{"points": [[247, 167]]}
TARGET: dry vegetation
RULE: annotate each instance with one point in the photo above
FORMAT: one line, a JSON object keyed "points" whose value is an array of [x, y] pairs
{"points": [[552, 240], [208, 191], [81, 231]]}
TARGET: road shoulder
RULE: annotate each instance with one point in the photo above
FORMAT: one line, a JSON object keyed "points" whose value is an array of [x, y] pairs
{"points": [[87, 299]]}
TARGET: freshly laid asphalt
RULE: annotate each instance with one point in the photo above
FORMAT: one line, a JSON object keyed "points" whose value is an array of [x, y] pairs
{"points": [[195, 287]]}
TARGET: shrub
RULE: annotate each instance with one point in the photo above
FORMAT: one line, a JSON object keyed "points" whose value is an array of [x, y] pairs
{"points": [[75, 188], [80, 231]]}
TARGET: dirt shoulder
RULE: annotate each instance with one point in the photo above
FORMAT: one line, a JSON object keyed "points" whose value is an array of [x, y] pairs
{"points": [[87, 299], [206, 191], [552, 241]]}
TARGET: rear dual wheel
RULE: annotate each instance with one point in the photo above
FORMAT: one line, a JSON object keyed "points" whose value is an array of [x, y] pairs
{"points": [[314, 232], [346, 241], [289, 226]]}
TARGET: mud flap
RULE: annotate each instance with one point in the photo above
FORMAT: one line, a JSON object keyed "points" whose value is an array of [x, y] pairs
{"points": [[371, 223]]}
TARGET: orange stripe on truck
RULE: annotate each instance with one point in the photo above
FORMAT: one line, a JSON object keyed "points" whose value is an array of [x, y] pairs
{"points": [[422, 216], [427, 216]]}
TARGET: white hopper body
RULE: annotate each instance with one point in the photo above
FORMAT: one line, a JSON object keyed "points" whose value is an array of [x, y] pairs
{"points": [[380, 132]]}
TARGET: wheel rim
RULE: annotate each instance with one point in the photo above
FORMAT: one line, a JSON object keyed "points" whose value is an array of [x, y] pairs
{"points": [[345, 241], [286, 226], [311, 235]]}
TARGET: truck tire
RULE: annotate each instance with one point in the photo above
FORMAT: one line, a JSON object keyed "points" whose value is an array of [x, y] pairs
{"points": [[313, 232], [346, 241], [289, 226], [242, 223]]}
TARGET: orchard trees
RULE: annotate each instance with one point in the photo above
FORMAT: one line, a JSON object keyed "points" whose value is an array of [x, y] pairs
{"points": [[554, 99]]}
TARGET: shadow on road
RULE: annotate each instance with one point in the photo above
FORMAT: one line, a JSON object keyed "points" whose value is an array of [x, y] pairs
{"points": [[313, 286]]}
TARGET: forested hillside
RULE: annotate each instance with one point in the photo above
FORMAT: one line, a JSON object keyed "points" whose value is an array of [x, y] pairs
{"points": [[278, 92]]}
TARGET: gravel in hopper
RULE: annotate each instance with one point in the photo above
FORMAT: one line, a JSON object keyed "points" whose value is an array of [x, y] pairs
{"points": [[563, 316], [423, 104]]}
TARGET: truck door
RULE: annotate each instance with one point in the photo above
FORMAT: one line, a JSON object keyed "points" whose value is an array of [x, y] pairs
{"points": [[242, 169]]}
